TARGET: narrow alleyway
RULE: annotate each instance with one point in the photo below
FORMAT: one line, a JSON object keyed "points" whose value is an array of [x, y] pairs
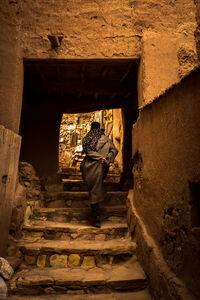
{"points": [[64, 255]]}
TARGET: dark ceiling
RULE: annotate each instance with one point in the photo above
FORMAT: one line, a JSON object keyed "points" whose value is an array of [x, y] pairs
{"points": [[81, 85]]}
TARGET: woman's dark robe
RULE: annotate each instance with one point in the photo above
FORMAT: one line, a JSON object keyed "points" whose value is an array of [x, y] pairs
{"points": [[94, 171]]}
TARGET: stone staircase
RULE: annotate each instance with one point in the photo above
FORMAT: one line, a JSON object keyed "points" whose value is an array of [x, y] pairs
{"points": [[64, 257]]}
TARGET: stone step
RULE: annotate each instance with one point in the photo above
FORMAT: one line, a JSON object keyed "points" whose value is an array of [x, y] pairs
{"points": [[48, 253], [80, 199], [138, 295], [79, 185], [80, 215], [67, 231], [37, 281]]}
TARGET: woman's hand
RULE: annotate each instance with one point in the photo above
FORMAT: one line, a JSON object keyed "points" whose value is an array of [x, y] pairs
{"points": [[104, 161]]}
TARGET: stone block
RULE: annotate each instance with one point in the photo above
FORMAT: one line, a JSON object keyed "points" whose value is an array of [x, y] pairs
{"points": [[88, 262], [32, 235], [69, 203], [3, 289], [59, 261], [74, 260], [29, 259], [111, 258], [6, 271], [74, 221], [75, 292], [41, 261], [14, 251], [14, 262], [100, 237]]}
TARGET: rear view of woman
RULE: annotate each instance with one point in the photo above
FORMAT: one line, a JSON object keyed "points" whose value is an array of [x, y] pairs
{"points": [[100, 152]]}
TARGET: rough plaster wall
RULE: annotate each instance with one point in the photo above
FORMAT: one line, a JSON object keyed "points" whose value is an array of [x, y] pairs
{"points": [[115, 29], [167, 57], [166, 154], [99, 28], [9, 149], [11, 71], [90, 29]]}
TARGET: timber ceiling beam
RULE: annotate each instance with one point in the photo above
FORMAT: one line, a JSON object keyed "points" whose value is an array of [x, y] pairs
{"points": [[125, 74]]}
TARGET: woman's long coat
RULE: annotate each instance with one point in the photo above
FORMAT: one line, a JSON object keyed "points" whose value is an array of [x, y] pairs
{"points": [[94, 171]]}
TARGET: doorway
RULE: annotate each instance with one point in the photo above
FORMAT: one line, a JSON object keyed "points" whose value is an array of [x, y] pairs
{"points": [[54, 87]]}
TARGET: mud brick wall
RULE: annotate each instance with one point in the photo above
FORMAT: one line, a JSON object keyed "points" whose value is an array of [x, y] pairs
{"points": [[161, 32], [166, 155], [11, 62], [9, 149]]}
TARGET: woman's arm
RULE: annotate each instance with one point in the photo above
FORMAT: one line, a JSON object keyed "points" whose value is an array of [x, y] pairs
{"points": [[94, 155], [112, 153]]}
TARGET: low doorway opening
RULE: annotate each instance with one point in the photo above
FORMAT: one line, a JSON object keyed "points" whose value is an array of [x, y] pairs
{"points": [[74, 128]]}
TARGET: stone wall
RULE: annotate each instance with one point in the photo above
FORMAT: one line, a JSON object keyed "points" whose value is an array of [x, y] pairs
{"points": [[9, 149], [166, 156]]}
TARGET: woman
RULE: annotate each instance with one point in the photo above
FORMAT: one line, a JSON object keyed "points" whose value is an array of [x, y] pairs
{"points": [[100, 152]]}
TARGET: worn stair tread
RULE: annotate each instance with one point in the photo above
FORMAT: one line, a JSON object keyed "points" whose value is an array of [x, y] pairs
{"points": [[112, 247], [138, 295], [128, 276], [81, 194], [78, 209], [51, 225]]}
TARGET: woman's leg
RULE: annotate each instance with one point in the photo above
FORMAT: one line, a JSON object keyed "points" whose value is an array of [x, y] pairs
{"points": [[96, 214]]}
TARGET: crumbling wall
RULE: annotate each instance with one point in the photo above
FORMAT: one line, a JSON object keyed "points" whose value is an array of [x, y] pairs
{"points": [[9, 150], [166, 156]]}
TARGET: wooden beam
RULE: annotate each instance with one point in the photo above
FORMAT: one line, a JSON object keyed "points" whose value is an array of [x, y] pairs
{"points": [[128, 95], [55, 40], [96, 94], [125, 74], [59, 75], [104, 73], [114, 95], [83, 67], [42, 76]]}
